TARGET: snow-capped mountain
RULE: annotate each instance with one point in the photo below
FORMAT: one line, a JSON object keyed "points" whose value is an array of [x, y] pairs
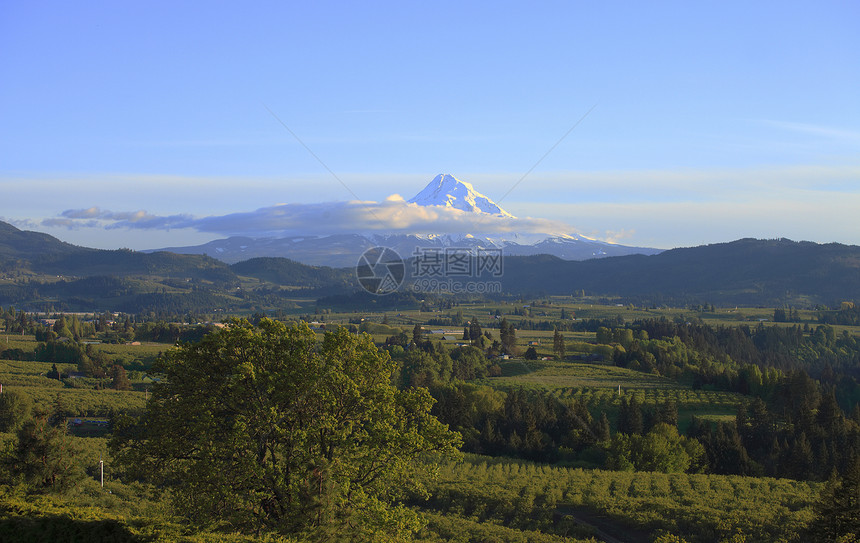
{"points": [[343, 250], [448, 191]]}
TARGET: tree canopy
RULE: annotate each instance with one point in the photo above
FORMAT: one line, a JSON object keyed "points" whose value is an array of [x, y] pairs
{"points": [[262, 427]]}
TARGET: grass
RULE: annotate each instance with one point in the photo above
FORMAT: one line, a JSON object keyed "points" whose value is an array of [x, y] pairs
{"points": [[554, 375]]}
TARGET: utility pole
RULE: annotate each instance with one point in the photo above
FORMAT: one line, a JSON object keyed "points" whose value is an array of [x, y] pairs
{"points": [[102, 470]]}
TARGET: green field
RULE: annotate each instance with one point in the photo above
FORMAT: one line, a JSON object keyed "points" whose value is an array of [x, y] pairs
{"points": [[29, 379]]}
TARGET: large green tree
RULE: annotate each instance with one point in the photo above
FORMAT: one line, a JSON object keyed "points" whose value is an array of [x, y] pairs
{"points": [[264, 428]]}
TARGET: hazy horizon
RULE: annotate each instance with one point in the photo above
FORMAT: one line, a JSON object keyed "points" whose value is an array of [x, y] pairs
{"points": [[667, 126]]}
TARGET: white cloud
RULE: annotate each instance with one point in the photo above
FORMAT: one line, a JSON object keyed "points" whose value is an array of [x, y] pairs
{"points": [[393, 215]]}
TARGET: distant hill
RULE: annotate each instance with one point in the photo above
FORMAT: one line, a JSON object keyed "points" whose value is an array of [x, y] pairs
{"points": [[40, 272], [342, 250], [23, 246], [742, 272], [283, 271], [39, 253]]}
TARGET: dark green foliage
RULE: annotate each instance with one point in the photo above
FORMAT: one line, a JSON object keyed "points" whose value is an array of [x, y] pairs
{"points": [[261, 427], [15, 408], [43, 457], [558, 347], [59, 528], [119, 379], [630, 417], [468, 363], [173, 303], [508, 337], [57, 352], [162, 332], [54, 373], [661, 450], [837, 513], [666, 413], [802, 434], [475, 334], [602, 429], [534, 425], [849, 314]]}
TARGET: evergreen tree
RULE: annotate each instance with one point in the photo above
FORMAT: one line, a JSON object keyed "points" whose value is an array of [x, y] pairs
{"points": [[837, 513], [60, 411], [558, 344], [14, 410], [475, 333], [726, 452], [508, 336], [601, 429], [630, 420], [667, 413], [43, 457], [801, 459], [119, 379]]}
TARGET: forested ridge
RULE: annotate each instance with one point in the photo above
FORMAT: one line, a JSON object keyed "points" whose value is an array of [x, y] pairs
{"points": [[41, 273]]}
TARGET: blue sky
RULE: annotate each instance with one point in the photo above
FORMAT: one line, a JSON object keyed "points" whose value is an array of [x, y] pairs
{"points": [[707, 121]]}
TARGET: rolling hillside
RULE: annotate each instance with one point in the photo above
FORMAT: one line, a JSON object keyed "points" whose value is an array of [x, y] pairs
{"points": [[40, 271], [746, 271]]}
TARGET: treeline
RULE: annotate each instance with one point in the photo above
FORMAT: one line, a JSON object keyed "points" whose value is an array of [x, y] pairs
{"points": [[748, 360], [801, 433], [164, 332], [537, 425], [534, 425], [848, 314]]}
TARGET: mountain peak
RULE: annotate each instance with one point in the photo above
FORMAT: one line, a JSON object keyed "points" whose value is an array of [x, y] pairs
{"points": [[446, 190]]}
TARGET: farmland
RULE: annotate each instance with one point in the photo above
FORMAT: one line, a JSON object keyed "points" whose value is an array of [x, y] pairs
{"points": [[515, 410]]}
